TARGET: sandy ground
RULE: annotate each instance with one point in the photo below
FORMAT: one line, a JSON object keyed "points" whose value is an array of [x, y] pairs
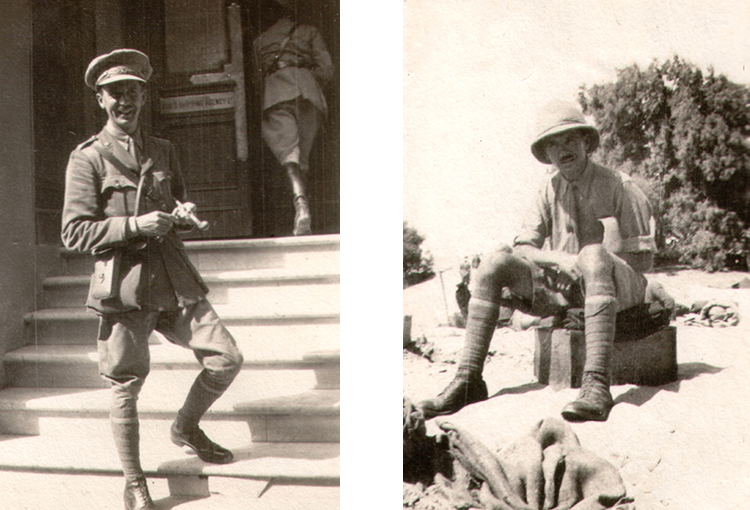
{"points": [[684, 445]]}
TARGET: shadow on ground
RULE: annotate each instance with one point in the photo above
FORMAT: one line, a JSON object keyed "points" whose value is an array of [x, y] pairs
{"points": [[520, 390], [685, 372], [174, 501]]}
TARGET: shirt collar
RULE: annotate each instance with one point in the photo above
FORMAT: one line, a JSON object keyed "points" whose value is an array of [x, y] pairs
{"points": [[124, 138], [583, 183]]}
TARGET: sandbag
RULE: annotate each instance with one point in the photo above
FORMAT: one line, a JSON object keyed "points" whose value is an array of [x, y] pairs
{"points": [[544, 470]]}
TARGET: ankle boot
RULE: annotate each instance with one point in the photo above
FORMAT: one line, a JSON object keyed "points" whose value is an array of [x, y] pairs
{"points": [[137, 496], [594, 401], [462, 391], [302, 218]]}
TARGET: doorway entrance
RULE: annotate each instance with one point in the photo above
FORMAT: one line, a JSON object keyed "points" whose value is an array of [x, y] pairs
{"points": [[203, 96]]}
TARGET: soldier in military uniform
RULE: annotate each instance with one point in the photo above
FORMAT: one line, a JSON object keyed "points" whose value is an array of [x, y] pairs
{"points": [[293, 64], [586, 242], [124, 202]]}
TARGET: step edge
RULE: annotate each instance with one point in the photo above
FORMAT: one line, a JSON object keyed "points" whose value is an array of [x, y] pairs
{"points": [[82, 314], [49, 408], [277, 478], [13, 358], [147, 413], [325, 240], [67, 281]]}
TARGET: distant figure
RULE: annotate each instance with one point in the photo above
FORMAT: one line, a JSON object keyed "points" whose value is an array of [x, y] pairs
{"points": [[294, 65], [462, 288], [599, 228]]}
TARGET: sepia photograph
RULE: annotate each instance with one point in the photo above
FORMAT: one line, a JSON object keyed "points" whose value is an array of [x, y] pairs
{"points": [[170, 267], [576, 248]]}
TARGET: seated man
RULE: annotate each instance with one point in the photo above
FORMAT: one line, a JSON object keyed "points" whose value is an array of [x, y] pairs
{"points": [[582, 268]]}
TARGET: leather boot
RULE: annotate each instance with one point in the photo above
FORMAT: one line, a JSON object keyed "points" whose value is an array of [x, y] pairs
{"points": [[137, 496], [462, 391], [302, 218], [594, 401], [196, 440]]}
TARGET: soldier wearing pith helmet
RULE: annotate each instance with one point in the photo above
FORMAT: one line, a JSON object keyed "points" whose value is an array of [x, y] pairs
{"points": [[579, 267], [125, 202]]}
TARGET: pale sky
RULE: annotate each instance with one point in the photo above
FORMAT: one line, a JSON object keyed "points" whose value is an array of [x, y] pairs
{"points": [[475, 73]]}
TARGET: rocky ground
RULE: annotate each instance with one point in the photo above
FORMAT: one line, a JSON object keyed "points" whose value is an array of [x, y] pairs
{"points": [[684, 445]]}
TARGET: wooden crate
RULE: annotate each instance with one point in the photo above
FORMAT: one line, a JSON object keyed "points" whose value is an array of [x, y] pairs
{"points": [[559, 356]]}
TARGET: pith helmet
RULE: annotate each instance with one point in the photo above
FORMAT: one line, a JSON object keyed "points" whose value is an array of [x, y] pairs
{"points": [[558, 117], [117, 66]]}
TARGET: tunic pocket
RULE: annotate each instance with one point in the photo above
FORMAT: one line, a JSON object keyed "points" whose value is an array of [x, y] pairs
{"points": [[118, 193]]}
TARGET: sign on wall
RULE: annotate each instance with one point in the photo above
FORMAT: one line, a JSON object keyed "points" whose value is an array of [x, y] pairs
{"points": [[197, 103]]}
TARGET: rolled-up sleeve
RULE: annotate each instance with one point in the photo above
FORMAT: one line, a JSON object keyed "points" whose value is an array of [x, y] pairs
{"points": [[636, 220], [85, 228], [537, 222]]}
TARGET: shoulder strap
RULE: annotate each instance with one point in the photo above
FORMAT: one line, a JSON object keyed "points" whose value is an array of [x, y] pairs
{"points": [[112, 160], [145, 170], [283, 44]]}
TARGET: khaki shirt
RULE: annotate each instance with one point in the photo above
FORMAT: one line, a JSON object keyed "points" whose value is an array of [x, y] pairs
{"points": [[566, 213]]}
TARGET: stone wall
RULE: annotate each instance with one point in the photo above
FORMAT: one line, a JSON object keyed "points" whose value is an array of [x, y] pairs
{"points": [[18, 267]]}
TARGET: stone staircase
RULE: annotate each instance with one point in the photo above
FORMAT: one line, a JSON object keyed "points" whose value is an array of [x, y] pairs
{"points": [[280, 300]]}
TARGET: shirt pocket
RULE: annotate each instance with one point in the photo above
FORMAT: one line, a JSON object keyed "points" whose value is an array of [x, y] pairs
{"points": [[119, 195]]}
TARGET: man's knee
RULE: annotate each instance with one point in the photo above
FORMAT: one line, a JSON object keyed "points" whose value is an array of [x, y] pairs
{"points": [[594, 261], [224, 368], [237, 359], [497, 268]]}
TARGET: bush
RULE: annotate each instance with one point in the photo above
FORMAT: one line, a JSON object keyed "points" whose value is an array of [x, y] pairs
{"points": [[417, 266], [684, 137]]}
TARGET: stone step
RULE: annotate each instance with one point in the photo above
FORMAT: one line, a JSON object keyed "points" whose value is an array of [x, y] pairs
{"points": [[76, 366], [21, 490], [296, 254], [87, 452], [271, 334], [264, 291], [272, 412]]}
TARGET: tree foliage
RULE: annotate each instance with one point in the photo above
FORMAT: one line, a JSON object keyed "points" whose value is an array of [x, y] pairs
{"points": [[684, 137], [417, 266]]}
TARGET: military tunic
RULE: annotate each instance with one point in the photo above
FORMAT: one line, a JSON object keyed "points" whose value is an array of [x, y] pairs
{"points": [[156, 287], [293, 102], [102, 182]]}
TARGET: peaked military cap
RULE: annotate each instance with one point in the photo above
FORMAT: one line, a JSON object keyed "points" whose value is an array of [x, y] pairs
{"points": [[118, 65]]}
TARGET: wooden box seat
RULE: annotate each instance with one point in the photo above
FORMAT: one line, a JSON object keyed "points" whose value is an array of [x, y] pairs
{"points": [[650, 360]]}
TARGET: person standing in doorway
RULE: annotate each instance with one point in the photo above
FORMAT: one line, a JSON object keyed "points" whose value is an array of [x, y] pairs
{"points": [[294, 66]]}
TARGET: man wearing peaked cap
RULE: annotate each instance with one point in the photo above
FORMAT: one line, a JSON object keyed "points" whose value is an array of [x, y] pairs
{"points": [[124, 203], [118, 65], [598, 227]]}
